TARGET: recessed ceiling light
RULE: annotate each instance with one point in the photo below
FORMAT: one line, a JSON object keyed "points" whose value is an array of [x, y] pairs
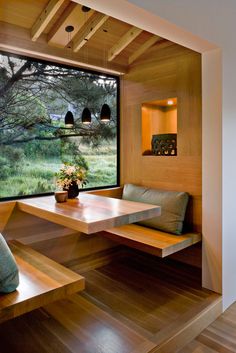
{"points": [[170, 102], [85, 9], [69, 29]]}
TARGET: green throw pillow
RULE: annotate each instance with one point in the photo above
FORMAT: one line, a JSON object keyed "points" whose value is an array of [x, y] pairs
{"points": [[173, 206], [9, 274]]}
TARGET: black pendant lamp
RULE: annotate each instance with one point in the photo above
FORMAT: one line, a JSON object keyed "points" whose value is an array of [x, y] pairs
{"points": [[86, 116], [105, 113], [69, 120]]}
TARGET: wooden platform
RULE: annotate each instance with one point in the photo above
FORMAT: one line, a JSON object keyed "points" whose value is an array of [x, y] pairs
{"points": [[220, 336], [131, 305], [42, 281], [150, 240]]}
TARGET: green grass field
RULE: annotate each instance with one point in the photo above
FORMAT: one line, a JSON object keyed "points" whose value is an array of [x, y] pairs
{"points": [[38, 176]]}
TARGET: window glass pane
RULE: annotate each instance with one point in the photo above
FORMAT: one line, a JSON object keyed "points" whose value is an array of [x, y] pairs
{"points": [[34, 140]]}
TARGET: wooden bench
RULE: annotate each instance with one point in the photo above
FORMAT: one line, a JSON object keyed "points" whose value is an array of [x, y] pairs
{"points": [[42, 281], [150, 240]]}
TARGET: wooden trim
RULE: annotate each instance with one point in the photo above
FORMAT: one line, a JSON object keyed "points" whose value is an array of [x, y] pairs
{"points": [[112, 192], [88, 30], [150, 42], [123, 42], [45, 17]]}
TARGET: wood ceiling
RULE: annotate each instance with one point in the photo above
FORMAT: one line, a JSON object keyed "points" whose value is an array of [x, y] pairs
{"points": [[37, 28]]}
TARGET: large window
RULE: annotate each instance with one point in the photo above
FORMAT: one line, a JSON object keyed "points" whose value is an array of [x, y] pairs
{"points": [[34, 140]]}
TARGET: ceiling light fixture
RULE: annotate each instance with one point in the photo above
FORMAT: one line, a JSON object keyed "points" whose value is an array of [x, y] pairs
{"points": [[69, 29], [105, 113], [69, 120], [86, 116], [85, 9]]}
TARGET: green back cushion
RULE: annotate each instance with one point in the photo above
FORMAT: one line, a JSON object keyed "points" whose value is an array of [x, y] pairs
{"points": [[173, 206], [9, 274]]}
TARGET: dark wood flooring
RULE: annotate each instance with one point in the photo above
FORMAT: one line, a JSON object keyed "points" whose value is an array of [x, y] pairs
{"points": [[125, 307]]}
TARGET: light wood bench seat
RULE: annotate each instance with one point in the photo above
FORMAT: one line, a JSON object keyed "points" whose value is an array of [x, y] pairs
{"points": [[150, 240], [42, 281]]}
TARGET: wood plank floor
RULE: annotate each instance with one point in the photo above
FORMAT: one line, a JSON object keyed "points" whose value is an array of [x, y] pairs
{"points": [[125, 306], [219, 337]]}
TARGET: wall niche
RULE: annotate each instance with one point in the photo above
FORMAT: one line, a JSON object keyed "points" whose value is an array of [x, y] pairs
{"points": [[159, 127]]}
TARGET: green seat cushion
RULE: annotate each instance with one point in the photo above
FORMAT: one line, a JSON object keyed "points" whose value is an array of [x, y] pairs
{"points": [[173, 206], [9, 274]]}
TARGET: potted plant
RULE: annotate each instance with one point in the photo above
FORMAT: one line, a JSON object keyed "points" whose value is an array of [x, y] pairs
{"points": [[71, 177]]}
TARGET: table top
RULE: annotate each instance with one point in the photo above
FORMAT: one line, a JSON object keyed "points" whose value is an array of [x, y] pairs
{"points": [[89, 213]]}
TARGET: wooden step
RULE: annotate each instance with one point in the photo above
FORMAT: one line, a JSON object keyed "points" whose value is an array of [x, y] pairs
{"points": [[152, 241], [42, 281], [182, 331]]}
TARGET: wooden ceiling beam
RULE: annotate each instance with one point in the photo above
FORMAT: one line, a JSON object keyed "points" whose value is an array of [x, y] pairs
{"points": [[62, 21], [141, 50], [72, 16], [17, 40], [88, 30], [123, 42], [45, 17]]}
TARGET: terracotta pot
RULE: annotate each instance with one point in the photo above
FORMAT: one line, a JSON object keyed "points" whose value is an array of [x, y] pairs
{"points": [[61, 196]]}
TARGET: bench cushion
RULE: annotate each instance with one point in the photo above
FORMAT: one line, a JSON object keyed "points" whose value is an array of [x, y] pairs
{"points": [[9, 274], [173, 206]]}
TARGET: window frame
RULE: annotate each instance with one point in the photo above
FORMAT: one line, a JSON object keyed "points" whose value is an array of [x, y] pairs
{"points": [[80, 69]]}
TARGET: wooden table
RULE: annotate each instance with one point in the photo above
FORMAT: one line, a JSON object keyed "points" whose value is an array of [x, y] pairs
{"points": [[89, 213]]}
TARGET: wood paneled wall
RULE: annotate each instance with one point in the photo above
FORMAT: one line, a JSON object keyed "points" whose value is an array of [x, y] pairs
{"points": [[173, 71]]}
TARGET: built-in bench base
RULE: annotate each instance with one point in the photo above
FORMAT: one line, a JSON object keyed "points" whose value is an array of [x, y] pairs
{"points": [[42, 281], [150, 240]]}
